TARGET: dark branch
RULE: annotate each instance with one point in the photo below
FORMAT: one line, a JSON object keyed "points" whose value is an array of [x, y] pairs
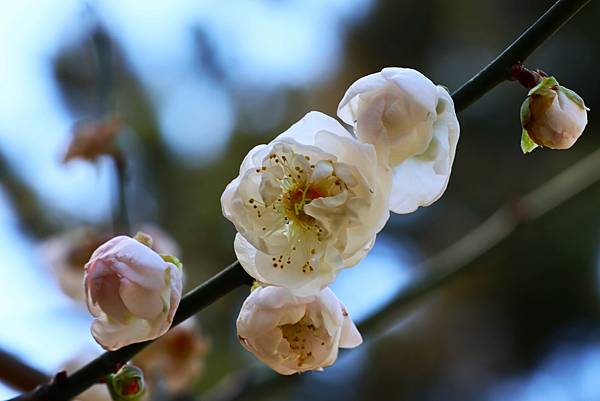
{"points": [[500, 69]]}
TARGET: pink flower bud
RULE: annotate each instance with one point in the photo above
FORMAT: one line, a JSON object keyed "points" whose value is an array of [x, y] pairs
{"points": [[131, 291], [552, 116]]}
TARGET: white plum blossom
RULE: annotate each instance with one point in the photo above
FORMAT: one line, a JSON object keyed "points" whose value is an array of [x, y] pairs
{"points": [[552, 116], [307, 205], [412, 124], [295, 334], [131, 291]]}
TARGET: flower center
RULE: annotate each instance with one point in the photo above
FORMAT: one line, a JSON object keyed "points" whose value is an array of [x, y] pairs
{"points": [[296, 198], [289, 182], [304, 337]]}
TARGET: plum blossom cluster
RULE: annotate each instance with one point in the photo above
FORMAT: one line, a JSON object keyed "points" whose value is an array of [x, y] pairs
{"points": [[311, 202]]}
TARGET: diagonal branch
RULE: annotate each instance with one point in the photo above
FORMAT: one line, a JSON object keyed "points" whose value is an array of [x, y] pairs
{"points": [[64, 388], [499, 70]]}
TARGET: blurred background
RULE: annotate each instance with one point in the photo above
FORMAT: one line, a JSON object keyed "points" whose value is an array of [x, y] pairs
{"points": [[198, 83]]}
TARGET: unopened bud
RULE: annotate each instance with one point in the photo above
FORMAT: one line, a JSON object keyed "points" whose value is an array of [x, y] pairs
{"points": [[552, 116], [127, 384]]}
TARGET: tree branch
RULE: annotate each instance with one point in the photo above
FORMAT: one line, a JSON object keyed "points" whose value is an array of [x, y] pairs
{"points": [[234, 276], [18, 374], [500, 69]]}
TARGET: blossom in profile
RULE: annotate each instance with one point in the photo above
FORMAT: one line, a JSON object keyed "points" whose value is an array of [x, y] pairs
{"points": [[307, 205], [552, 116], [131, 291], [412, 124], [294, 334]]}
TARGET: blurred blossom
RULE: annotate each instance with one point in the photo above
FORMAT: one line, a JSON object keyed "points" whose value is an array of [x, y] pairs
{"points": [[67, 253], [260, 43], [33, 118], [98, 392], [92, 139], [46, 313], [256, 45], [175, 359]]}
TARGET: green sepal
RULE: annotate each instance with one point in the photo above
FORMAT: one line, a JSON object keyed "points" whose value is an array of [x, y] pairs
{"points": [[144, 238], [525, 112], [127, 384], [527, 145], [546, 85], [255, 285], [574, 97], [172, 259]]}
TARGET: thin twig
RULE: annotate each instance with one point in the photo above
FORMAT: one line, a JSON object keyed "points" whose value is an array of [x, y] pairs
{"points": [[104, 65], [121, 222], [500, 69], [234, 276]]}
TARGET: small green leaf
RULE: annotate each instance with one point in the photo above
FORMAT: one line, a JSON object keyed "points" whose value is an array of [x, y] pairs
{"points": [[546, 85], [255, 285], [527, 145], [525, 111], [172, 259], [144, 238]]}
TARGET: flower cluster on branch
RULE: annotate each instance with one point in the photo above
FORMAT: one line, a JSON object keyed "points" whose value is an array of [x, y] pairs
{"points": [[311, 202]]}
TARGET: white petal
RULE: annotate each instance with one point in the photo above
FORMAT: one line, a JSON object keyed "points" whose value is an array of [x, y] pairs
{"points": [[305, 130], [347, 107], [141, 302], [134, 260], [421, 180], [113, 336], [414, 84], [350, 336], [246, 255], [105, 293]]}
